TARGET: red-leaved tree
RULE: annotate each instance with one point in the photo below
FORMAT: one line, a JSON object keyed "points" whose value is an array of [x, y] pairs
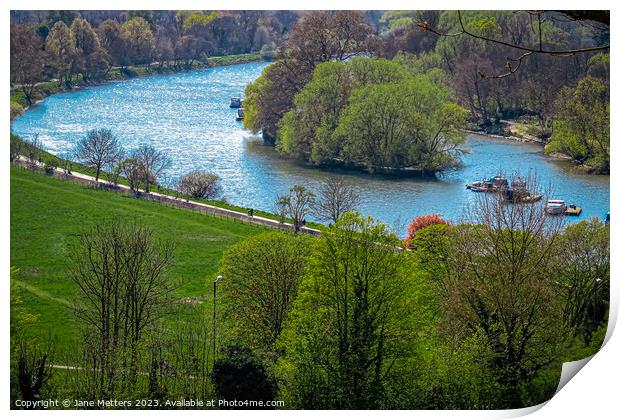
{"points": [[421, 222]]}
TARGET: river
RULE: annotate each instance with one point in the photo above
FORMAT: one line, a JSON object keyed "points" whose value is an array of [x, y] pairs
{"points": [[187, 115]]}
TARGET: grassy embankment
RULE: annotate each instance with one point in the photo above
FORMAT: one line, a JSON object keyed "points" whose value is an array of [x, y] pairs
{"points": [[47, 157], [47, 214], [45, 89]]}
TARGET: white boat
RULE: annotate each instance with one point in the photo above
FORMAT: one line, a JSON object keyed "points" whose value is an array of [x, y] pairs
{"points": [[555, 207]]}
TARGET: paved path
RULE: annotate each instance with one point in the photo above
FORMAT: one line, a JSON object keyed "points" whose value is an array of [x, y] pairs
{"points": [[179, 202]]}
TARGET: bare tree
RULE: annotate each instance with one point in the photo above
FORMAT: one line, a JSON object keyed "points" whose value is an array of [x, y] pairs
{"points": [[296, 205], [99, 148], [119, 270], [336, 196], [200, 184], [32, 148], [134, 172], [153, 161]]}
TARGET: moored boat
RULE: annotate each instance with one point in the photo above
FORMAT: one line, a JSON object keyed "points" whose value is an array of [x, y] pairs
{"points": [[240, 114], [494, 184], [555, 207], [235, 102]]}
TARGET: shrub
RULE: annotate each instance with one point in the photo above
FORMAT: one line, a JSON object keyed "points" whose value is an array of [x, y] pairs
{"points": [[239, 375], [51, 165]]}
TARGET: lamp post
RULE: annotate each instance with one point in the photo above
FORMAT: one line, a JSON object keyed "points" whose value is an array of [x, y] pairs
{"points": [[218, 278]]}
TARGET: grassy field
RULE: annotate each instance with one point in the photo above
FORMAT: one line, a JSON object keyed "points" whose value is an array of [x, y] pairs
{"points": [[46, 216]]}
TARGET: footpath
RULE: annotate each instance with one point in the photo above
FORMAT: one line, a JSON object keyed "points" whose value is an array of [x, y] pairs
{"points": [[170, 200]]}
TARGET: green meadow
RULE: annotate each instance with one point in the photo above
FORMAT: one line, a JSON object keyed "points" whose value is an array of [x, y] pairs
{"points": [[48, 214]]}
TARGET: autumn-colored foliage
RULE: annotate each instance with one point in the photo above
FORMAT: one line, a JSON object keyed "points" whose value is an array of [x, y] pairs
{"points": [[421, 222]]}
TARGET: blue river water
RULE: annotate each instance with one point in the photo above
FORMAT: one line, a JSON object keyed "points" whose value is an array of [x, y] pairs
{"points": [[187, 115]]}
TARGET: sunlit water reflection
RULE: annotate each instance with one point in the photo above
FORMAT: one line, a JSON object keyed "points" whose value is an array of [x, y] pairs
{"points": [[187, 115]]}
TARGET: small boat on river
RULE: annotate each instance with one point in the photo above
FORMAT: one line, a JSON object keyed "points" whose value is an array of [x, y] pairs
{"points": [[559, 208], [240, 114], [515, 193], [555, 207], [235, 102], [494, 184]]}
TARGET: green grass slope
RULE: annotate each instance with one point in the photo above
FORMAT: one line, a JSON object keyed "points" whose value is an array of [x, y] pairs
{"points": [[47, 214]]}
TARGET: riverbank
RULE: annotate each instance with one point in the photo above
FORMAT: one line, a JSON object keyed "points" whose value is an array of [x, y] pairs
{"points": [[42, 90]]}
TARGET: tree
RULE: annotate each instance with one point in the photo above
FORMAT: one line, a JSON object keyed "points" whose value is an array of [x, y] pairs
{"points": [[513, 63], [27, 59], [91, 59], [411, 124], [296, 204], [200, 184], [336, 197], [153, 163], [139, 40], [306, 132], [419, 223], [581, 126], [112, 42], [501, 288], [240, 376], [318, 37], [16, 148], [134, 171], [61, 46], [120, 272], [34, 371], [262, 274], [98, 149], [583, 268], [352, 325], [64, 16]]}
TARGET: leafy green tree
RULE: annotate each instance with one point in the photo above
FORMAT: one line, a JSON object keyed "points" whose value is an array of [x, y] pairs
{"points": [[20, 318], [64, 16], [91, 58], [306, 131], [262, 275], [148, 15], [583, 268], [140, 41], [61, 46], [499, 285], [319, 37], [581, 126], [400, 125], [353, 327], [198, 19], [111, 40]]}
